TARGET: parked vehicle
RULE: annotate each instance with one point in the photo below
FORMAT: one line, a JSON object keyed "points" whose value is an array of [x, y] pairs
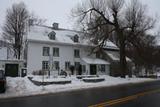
{"points": [[2, 81], [158, 74]]}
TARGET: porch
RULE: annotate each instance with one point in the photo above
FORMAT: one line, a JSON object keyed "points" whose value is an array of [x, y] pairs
{"points": [[95, 66]]}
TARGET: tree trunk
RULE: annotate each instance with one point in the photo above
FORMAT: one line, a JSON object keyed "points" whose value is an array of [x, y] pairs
{"points": [[19, 52], [123, 63]]}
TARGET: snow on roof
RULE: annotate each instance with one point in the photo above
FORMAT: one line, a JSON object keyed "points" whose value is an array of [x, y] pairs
{"points": [[94, 61], [111, 44], [40, 33], [115, 56]]}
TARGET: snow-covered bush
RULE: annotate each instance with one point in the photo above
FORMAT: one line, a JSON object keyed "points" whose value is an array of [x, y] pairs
{"points": [[40, 72]]}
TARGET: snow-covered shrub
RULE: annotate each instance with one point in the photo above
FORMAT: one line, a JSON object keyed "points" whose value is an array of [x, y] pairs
{"points": [[40, 72]]}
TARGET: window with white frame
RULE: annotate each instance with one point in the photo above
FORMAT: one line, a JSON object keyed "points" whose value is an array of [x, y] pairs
{"points": [[76, 53], [76, 38], [46, 51], [51, 35], [55, 52], [56, 65], [77, 64], [45, 65], [67, 65], [102, 68]]}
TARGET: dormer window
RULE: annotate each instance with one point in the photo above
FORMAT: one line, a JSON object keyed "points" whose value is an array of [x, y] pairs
{"points": [[76, 38], [52, 35]]}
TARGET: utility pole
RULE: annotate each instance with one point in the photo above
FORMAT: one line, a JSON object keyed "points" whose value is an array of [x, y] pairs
{"points": [[50, 64]]}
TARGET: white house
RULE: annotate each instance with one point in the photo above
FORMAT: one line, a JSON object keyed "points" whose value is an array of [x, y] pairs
{"points": [[60, 49]]}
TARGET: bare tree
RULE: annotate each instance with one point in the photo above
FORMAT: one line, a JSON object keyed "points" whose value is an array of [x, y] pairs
{"points": [[108, 17], [14, 28], [35, 20], [143, 52]]}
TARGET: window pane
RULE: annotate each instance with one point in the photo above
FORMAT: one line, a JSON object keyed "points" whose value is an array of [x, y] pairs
{"points": [[67, 65], [45, 51], [52, 35], [56, 64], [76, 38], [45, 65], [102, 68], [76, 53], [77, 64], [56, 52]]}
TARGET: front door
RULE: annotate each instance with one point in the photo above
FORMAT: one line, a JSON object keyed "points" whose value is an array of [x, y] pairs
{"points": [[93, 69]]}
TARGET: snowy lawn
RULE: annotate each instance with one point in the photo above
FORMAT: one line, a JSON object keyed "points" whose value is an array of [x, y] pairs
{"points": [[19, 86]]}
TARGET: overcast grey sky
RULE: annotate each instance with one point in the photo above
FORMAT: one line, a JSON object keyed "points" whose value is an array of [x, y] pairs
{"points": [[59, 10]]}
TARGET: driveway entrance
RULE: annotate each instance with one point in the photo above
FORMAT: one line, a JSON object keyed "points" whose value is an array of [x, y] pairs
{"points": [[11, 70]]}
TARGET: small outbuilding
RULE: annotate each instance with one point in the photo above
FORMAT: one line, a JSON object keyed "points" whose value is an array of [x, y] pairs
{"points": [[13, 68]]}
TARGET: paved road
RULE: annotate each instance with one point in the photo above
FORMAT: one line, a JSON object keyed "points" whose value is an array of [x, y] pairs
{"points": [[132, 95]]}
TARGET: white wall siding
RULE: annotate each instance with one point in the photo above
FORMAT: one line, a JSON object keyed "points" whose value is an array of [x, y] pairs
{"points": [[66, 54], [107, 67], [3, 53], [34, 57]]}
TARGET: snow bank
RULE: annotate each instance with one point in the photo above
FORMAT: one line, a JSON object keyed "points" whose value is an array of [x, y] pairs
{"points": [[93, 79], [19, 86], [40, 79]]}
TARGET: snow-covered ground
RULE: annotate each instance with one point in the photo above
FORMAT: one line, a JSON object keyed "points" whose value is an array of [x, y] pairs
{"points": [[19, 86], [51, 79]]}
